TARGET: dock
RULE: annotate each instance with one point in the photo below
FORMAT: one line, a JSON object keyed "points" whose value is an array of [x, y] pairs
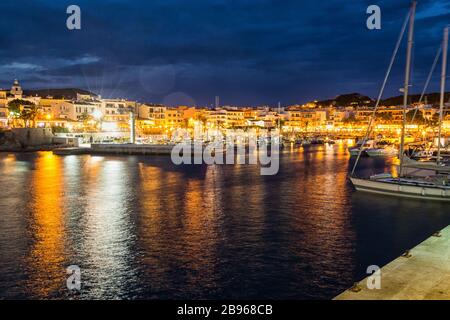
{"points": [[134, 149], [126, 149], [422, 273], [70, 151]]}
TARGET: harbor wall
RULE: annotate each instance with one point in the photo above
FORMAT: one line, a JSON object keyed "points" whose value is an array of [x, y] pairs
{"points": [[131, 149], [33, 136]]}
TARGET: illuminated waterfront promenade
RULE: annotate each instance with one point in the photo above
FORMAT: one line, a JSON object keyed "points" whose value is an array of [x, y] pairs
{"points": [[95, 119]]}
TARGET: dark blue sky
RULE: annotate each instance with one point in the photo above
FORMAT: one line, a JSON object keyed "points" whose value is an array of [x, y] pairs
{"points": [[188, 51]]}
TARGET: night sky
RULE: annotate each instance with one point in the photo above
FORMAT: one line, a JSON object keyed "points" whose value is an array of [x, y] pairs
{"points": [[188, 51]]}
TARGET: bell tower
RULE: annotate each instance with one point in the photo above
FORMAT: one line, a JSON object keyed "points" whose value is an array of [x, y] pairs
{"points": [[16, 90]]}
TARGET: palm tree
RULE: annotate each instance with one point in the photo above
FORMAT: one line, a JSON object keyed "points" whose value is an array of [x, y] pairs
{"points": [[29, 114]]}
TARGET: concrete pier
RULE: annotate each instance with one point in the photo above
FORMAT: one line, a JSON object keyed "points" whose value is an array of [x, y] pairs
{"points": [[70, 151], [423, 273], [137, 149], [126, 149]]}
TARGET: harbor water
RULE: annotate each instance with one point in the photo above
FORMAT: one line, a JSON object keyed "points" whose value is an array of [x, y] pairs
{"points": [[140, 227]]}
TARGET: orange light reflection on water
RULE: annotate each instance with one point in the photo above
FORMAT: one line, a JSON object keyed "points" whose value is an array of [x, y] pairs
{"points": [[47, 252]]}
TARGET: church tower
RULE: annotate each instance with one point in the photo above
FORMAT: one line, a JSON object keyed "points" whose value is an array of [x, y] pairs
{"points": [[16, 90]]}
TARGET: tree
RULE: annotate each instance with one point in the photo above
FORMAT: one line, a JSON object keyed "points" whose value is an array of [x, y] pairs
{"points": [[418, 118], [24, 110], [85, 117], [386, 116], [89, 123], [14, 106], [350, 119], [29, 114]]}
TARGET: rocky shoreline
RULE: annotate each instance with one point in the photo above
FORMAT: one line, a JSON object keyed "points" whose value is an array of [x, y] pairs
{"points": [[20, 149], [9, 143]]}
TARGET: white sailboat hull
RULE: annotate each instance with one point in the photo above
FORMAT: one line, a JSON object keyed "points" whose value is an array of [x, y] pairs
{"points": [[382, 152], [355, 151], [422, 168], [406, 190]]}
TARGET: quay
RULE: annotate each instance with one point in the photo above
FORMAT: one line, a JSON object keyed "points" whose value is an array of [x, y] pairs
{"points": [[422, 273], [132, 149], [70, 151], [126, 149]]}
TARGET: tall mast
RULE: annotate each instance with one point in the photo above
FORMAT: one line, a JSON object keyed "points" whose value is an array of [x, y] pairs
{"points": [[443, 76], [406, 86]]}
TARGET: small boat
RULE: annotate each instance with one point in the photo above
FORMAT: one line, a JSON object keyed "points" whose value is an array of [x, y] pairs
{"points": [[306, 142], [388, 151], [424, 168], [404, 187], [317, 141], [354, 150], [422, 154], [287, 143]]}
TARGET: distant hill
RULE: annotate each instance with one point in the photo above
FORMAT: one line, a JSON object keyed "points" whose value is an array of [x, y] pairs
{"points": [[357, 99], [429, 98], [64, 93], [346, 100]]}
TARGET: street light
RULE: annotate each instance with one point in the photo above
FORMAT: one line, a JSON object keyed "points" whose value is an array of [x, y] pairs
{"points": [[97, 114]]}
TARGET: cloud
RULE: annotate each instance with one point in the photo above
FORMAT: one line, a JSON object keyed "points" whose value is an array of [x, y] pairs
{"points": [[247, 51]]}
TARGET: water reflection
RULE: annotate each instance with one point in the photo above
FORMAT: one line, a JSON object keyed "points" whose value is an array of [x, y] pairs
{"points": [[108, 235], [141, 227], [45, 260]]}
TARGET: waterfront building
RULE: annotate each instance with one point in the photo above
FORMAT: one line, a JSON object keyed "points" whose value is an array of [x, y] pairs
{"points": [[338, 116], [76, 110], [188, 113], [251, 113], [306, 119], [392, 115], [216, 118], [153, 114], [3, 109], [235, 117], [363, 115], [116, 106], [173, 118], [117, 110], [151, 119], [48, 107]]}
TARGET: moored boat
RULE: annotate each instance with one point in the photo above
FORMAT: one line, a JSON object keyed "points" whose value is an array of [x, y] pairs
{"points": [[388, 151], [403, 187], [354, 150]]}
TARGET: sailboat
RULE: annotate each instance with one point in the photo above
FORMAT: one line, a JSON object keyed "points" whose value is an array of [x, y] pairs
{"points": [[430, 187]]}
